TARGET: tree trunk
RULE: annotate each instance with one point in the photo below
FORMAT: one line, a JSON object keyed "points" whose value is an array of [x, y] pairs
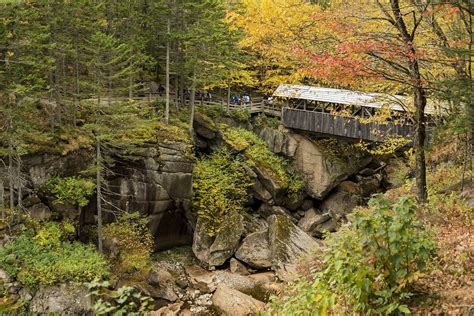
{"points": [[11, 181], [167, 100], [191, 104], [75, 94], [19, 186], [419, 99], [176, 91], [2, 203], [99, 194], [228, 97], [420, 135], [181, 91]]}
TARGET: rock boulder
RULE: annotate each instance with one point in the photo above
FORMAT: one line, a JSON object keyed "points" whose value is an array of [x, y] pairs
{"points": [[61, 299], [215, 251], [255, 250], [288, 245], [343, 199], [228, 301]]}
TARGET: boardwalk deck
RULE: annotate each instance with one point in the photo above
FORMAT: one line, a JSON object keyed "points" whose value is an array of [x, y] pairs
{"points": [[312, 121]]}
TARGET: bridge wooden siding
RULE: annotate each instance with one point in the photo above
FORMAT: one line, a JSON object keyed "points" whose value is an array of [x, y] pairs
{"points": [[326, 123]]}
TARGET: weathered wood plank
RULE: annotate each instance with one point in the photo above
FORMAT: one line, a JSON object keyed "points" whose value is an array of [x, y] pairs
{"points": [[326, 123]]}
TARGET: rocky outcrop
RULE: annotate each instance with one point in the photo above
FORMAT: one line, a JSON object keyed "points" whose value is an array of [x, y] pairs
{"points": [[255, 250], [159, 185], [266, 210], [238, 267], [288, 245], [214, 251], [61, 299], [343, 199], [204, 126], [156, 181], [316, 224], [231, 302], [321, 171], [279, 141]]}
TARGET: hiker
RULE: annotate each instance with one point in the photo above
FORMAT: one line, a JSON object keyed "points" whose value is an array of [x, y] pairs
{"points": [[161, 90]]}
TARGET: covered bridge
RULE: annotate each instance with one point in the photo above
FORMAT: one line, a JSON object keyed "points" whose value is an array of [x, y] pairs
{"points": [[347, 113]]}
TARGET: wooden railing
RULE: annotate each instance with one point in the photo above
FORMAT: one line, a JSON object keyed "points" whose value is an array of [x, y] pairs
{"points": [[255, 106], [326, 123]]}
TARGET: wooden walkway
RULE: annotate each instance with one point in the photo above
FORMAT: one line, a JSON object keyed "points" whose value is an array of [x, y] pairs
{"points": [[255, 106], [316, 121]]}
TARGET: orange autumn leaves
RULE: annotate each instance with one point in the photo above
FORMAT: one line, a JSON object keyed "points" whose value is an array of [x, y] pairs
{"points": [[350, 44]]}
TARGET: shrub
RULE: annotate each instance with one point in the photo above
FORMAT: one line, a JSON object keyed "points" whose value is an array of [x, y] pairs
{"points": [[129, 242], [261, 120], [45, 256], [125, 300], [213, 111], [241, 115], [72, 190], [369, 266], [219, 187]]}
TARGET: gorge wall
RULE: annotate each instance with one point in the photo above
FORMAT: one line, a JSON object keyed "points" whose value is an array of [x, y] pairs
{"points": [[158, 183]]}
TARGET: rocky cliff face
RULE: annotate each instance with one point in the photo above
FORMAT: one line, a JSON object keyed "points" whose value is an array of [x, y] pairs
{"points": [[322, 171], [336, 176], [156, 183]]}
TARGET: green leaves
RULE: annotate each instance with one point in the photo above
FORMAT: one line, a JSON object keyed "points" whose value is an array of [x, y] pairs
{"points": [[45, 256], [219, 188], [369, 266], [72, 190], [126, 300]]}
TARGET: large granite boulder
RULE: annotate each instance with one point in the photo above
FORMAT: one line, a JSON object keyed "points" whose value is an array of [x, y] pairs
{"points": [[395, 173], [227, 301], [242, 284], [265, 210], [255, 250], [370, 184], [257, 190], [270, 184], [289, 244], [61, 299], [214, 251], [279, 141], [322, 170]]}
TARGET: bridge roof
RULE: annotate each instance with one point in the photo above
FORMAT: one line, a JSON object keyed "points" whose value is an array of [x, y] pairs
{"points": [[348, 97]]}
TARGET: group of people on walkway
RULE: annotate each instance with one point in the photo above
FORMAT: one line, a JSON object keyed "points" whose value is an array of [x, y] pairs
{"points": [[238, 100]]}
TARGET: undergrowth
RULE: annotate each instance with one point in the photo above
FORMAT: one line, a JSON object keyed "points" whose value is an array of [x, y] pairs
{"points": [[219, 188], [368, 267], [258, 154], [129, 243], [45, 256]]}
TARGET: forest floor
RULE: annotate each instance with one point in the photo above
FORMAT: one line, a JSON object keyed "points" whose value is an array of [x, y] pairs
{"points": [[449, 288]]}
